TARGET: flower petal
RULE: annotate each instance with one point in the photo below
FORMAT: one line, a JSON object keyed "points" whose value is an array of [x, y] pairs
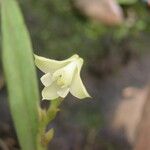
{"points": [[47, 79], [49, 65], [63, 92], [77, 88], [50, 92]]}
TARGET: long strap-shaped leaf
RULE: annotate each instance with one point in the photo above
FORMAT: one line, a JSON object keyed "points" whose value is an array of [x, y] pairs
{"points": [[20, 74]]}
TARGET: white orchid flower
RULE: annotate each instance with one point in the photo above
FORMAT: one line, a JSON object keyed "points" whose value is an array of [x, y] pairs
{"points": [[61, 77]]}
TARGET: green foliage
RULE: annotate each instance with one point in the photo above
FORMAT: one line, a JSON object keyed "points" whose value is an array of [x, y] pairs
{"points": [[57, 28], [20, 74], [126, 2]]}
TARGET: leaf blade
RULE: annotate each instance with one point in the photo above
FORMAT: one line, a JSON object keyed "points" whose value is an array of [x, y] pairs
{"points": [[20, 74]]}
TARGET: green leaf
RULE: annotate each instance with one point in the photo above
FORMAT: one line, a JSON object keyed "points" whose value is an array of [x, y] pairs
{"points": [[20, 74], [126, 2]]}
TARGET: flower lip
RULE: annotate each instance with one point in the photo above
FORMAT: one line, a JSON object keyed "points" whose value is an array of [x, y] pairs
{"points": [[65, 75]]}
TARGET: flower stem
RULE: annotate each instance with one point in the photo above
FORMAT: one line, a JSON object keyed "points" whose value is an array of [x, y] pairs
{"points": [[45, 118]]}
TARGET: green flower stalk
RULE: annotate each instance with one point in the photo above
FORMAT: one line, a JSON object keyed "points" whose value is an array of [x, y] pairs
{"points": [[61, 77]]}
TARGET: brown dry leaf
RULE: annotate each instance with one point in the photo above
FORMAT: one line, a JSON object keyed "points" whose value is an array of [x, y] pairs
{"points": [[129, 112], [105, 11]]}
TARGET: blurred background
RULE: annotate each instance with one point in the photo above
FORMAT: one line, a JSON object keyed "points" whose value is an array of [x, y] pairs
{"points": [[113, 37]]}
